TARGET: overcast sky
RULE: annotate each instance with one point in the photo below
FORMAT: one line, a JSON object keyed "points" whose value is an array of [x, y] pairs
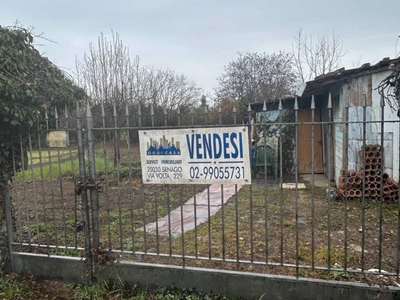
{"points": [[198, 38]]}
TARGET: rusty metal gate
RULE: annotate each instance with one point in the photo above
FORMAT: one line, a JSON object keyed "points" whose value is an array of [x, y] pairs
{"points": [[80, 197]]}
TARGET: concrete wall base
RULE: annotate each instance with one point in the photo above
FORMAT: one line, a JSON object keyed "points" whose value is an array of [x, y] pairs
{"points": [[229, 283]]}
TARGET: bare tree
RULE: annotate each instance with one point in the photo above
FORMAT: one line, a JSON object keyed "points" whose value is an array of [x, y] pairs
{"points": [[389, 88], [313, 58], [254, 77], [168, 89], [107, 72], [112, 79]]}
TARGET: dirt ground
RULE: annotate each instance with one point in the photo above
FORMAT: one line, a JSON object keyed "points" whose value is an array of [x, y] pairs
{"points": [[28, 287]]}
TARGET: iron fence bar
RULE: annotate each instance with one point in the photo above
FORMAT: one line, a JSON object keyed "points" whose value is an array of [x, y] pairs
{"points": [[32, 245], [128, 142], [106, 179], [346, 198], [329, 183], [264, 134], [71, 159], [236, 208], [9, 221], [156, 192], [205, 115], [85, 203], [117, 165], [61, 180], [280, 108], [156, 213], [178, 112], [246, 262], [182, 203], [195, 221], [94, 196], [51, 182], [144, 220], [42, 187], [249, 110], [24, 192], [398, 219], [152, 115], [296, 172], [251, 225], [220, 114], [234, 114], [234, 125], [196, 246], [33, 186], [208, 194], [312, 182], [182, 228], [191, 116], [237, 227], [139, 113], [168, 200], [223, 222], [169, 219], [363, 198], [143, 190], [222, 203], [382, 106], [16, 197], [209, 221]]}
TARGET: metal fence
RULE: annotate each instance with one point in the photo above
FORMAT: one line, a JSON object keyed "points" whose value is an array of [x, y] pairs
{"points": [[81, 194]]}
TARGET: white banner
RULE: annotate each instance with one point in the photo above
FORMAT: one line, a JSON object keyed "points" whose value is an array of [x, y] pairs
{"points": [[195, 155]]}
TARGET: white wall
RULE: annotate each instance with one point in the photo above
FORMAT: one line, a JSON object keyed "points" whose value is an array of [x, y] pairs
{"points": [[338, 134], [391, 129], [354, 91]]}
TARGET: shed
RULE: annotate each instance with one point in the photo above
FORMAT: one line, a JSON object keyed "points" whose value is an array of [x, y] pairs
{"points": [[357, 119], [358, 115]]}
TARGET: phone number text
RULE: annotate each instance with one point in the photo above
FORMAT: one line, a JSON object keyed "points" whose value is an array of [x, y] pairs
{"points": [[227, 172]]}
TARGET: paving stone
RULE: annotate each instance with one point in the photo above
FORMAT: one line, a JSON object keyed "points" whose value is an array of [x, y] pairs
{"points": [[207, 202]]}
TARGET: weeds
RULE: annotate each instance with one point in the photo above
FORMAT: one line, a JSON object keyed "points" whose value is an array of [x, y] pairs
{"points": [[14, 286], [12, 289], [89, 292]]}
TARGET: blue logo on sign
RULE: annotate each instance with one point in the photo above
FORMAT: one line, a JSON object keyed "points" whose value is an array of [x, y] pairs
{"points": [[163, 147]]}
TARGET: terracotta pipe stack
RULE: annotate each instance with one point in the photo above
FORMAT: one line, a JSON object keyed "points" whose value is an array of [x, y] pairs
{"points": [[390, 189], [350, 183], [370, 165], [369, 179], [370, 170]]}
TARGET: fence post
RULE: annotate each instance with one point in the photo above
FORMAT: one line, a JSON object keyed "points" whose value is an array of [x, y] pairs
{"points": [[6, 259], [94, 195], [85, 204]]}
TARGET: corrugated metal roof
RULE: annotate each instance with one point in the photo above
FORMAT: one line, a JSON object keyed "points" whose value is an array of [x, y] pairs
{"points": [[323, 82]]}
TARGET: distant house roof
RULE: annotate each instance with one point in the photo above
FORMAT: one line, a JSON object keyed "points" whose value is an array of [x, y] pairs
{"points": [[322, 82]]}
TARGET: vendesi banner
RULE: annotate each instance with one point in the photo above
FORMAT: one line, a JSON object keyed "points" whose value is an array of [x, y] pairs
{"points": [[195, 155]]}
